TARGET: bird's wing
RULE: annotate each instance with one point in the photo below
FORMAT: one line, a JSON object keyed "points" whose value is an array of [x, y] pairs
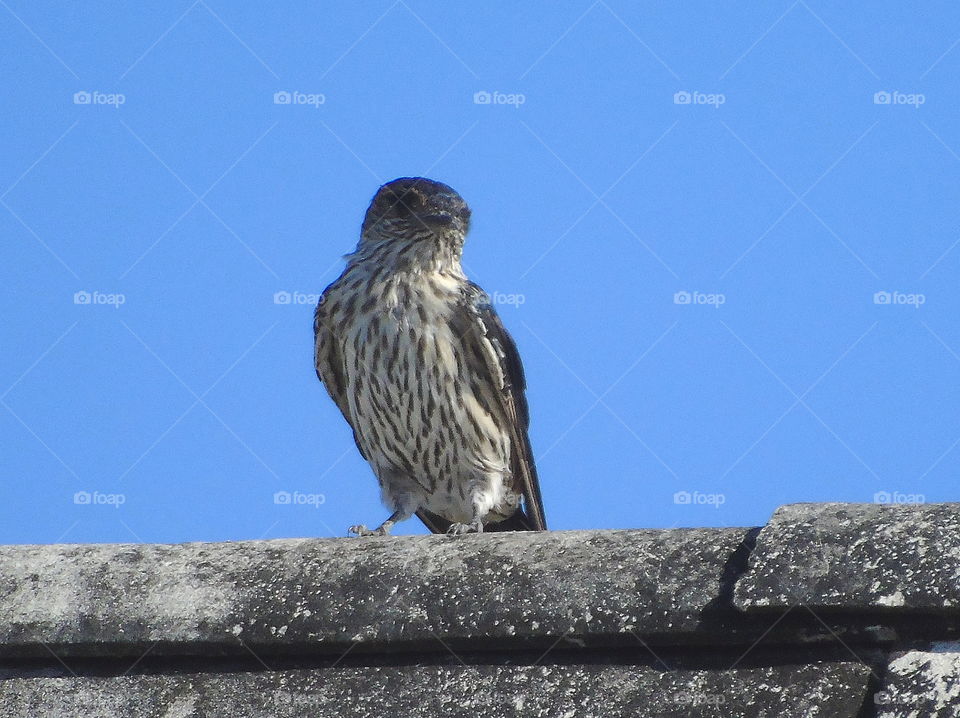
{"points": [[490, 349], [329, 365]]}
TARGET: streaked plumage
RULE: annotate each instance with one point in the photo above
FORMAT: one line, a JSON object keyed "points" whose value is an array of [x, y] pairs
{"points": [[421, 367]]}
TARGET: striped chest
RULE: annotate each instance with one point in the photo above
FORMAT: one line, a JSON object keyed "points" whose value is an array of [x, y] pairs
{"points": [[419, 408], [402, 369]]}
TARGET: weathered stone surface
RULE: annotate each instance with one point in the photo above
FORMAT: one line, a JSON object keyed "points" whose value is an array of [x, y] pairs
{"points": [[862, 557], [582, 623], [320, 595], [921, 683], [836, 690]]}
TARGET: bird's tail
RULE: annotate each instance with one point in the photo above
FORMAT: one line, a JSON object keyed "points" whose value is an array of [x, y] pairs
{"points": [[520, 521]]}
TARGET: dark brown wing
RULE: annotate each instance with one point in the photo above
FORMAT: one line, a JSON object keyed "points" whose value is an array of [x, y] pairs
{"points": [[484, 338], [329, 364]]}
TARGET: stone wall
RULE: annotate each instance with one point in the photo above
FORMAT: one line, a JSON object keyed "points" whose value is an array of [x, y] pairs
{"points": [[830, 610]]}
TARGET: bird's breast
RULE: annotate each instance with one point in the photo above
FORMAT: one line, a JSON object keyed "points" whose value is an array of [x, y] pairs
{"points": [[419, 402]]}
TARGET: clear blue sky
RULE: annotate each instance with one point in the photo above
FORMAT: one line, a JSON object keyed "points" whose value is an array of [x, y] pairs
{"points": [[778, 195]]}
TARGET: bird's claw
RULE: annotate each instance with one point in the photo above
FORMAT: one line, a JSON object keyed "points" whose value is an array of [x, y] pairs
{"points": [[457, 529], [361, 530]]}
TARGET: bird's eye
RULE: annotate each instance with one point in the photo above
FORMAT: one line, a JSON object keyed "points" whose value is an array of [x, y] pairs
{"points": [[408, 202]]}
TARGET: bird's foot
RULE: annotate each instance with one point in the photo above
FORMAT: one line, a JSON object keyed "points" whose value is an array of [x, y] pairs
{"points": [[384, 528], [361, 530], [470, 528]]}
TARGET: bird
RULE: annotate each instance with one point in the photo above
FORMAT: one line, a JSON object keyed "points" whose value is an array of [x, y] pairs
{"points": [[420, 365]]}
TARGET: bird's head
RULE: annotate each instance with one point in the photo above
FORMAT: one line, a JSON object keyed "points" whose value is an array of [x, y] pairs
{"points": [[418, 209]]}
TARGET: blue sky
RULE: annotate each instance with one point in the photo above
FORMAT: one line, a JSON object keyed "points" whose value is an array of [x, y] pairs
{"points": [[724, 237]]}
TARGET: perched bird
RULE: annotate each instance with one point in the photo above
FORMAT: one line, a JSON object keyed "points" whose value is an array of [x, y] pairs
{"points": [[423, 370]]}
